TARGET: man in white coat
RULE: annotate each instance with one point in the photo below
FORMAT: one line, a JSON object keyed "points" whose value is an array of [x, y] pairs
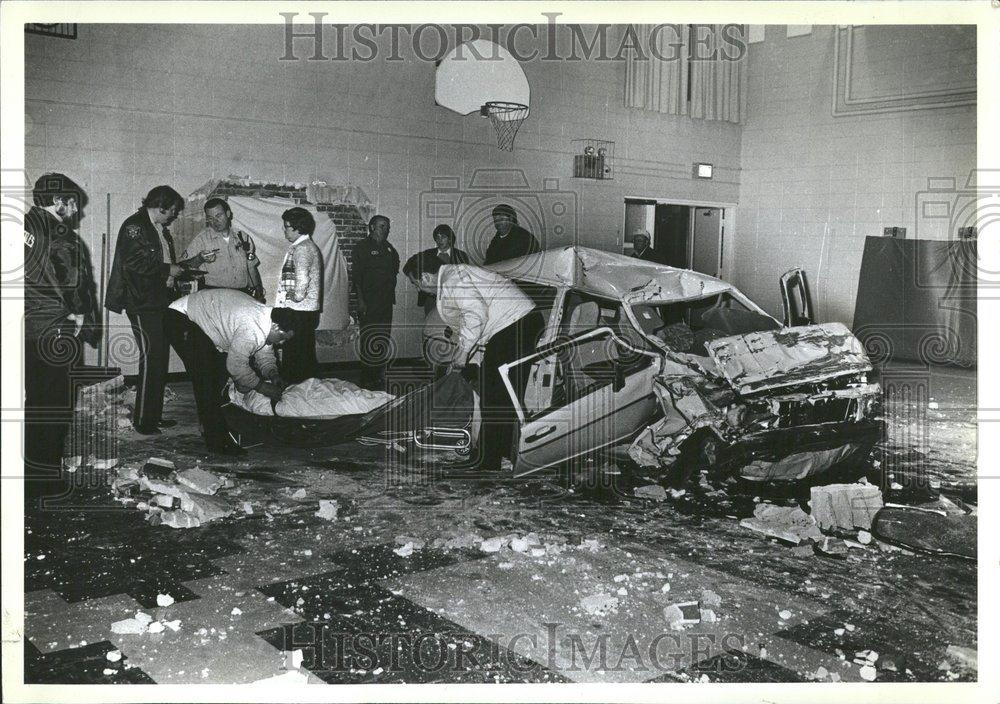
{"points": [[493, 322]]}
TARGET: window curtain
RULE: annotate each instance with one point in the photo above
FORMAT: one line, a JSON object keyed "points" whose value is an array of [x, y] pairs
{"points": [[657, 79], [651, 82]]}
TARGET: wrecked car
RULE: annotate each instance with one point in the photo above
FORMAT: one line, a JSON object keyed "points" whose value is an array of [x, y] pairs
{"points": [[685, 371]]}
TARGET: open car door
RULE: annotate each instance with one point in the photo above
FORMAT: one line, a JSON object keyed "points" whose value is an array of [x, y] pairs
{"points": [[582, 394]]}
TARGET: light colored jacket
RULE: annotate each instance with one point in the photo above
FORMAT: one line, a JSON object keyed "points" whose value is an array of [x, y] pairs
{"points": [[237, 325], [307, 261], [477, 304]]}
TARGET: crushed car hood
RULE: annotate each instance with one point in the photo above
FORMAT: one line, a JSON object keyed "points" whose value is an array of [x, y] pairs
{"points": [[760, 361]]}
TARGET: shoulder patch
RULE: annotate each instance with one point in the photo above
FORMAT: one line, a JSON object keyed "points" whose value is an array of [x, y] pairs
{"points": [[133, 231], [29, 239]]}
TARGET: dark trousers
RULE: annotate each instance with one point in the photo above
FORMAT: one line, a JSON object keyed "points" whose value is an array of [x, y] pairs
{"points": [[298, 355], [206, 367], [154, 361], [48, 412], [499, 420], [375, 346]]}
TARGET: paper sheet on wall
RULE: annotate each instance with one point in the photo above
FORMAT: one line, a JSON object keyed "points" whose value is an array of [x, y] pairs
{"points": [[261, 219]]}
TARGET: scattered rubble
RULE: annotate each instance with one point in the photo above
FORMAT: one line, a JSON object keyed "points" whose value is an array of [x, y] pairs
{"points": [[328, 509], [177, 499], [651, 491], [845, 506], [964, 658], [164, 600], [789, 524], [683, 614], [599, 604]]}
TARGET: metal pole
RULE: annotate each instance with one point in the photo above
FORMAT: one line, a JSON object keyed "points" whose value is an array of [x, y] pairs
{"points": [[105, 254]]}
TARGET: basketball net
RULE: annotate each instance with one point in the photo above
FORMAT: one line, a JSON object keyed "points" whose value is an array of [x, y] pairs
{"points": [[506, 119]]}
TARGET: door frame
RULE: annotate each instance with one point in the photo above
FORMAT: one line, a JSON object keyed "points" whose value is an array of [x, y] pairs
{"points": [[728, 225]]}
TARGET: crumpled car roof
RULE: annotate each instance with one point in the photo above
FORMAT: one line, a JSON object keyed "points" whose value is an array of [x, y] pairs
{"points": [[610, 275]]}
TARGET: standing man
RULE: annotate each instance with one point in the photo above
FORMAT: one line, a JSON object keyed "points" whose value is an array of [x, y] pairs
{"points": [[431, 260], [641, 248], [511, 240], [142, 285], [483, 308], [228, 258], [56, 303], [374, 267], [300, 292], [228, 334]]}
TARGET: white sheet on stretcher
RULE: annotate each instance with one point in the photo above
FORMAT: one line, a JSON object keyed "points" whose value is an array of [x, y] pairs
{"points": [[313, 398]]}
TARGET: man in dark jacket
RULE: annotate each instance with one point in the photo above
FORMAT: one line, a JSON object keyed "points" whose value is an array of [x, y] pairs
{"points": [[374, 267], [430, 260], [142, 285], [58, 302], [511, 240]]}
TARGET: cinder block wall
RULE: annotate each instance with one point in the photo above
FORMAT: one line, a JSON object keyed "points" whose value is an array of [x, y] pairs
{"points": [[813, 185], [126, 107]]}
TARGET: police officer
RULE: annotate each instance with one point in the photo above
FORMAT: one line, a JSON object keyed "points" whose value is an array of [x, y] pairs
{"points": [[58, 300], [374, 267], [228, 257], [142, 284]]}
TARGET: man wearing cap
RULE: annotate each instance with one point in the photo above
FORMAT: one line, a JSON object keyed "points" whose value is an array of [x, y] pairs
{"points": [[228, 257], [641, 248], [511, 240], [493, 322]]}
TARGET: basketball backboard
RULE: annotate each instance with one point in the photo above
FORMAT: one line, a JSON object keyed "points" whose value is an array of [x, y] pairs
{"points": [[477, 72]]}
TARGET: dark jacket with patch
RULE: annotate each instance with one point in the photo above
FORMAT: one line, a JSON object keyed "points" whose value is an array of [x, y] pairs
{"points": [[139, 275], [426, 261], [374, 267], [58, 278], [518, 242]]}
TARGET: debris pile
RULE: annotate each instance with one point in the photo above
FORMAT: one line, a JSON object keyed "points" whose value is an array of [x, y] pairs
{"points": [[143, 623], [110, 401], [845, 506], [179, 499], [789, 524]]}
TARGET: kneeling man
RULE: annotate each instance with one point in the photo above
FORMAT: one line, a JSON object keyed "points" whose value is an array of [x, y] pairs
{"points": [[221, 333]]}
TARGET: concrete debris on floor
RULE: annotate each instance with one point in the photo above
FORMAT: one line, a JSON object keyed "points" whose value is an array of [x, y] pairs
{"points": [[289, 549]]}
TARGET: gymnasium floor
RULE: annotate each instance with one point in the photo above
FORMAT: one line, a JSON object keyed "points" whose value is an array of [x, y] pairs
{"points": [[282, 592]]}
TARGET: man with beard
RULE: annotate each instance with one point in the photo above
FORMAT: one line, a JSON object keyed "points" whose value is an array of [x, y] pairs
{"points": [[59, 312]]}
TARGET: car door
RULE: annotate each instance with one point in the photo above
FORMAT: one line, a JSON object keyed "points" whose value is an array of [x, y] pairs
{"points": [[599, 392]]}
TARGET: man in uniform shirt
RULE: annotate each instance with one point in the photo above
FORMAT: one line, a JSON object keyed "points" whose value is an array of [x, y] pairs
{"points": [[374, 267], [57, 301], [641, 248], [487, 310], [511, 240], [226, 334], [228, 257], [142, 285]]}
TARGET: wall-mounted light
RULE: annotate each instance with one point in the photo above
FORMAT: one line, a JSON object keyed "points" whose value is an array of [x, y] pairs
{"points": [[703, 171]]}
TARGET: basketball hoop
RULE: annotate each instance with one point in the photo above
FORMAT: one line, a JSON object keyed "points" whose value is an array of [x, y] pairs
{"points": [[506, 118]]}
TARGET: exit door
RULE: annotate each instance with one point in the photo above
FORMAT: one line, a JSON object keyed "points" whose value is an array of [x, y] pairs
{"points": [[707, 240]]}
